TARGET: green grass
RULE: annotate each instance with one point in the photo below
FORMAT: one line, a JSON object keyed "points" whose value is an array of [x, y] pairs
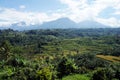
{"points": [[76, 77]]}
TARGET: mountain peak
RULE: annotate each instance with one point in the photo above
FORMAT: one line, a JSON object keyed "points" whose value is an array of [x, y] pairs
{"points": [[65, 19], [59, 23]]}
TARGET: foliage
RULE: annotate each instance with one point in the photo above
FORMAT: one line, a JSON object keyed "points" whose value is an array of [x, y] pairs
{"points": [[99, 75], [76, 77], [105, 74], [89, 61], [5, 48], [66, 67], [44, 74], [60, 54]]}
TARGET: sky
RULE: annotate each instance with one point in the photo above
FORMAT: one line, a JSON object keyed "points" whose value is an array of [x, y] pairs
{"points": [[34, 12]]}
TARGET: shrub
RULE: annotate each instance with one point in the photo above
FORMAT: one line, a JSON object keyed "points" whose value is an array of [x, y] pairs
{"points": [[103, 74], [44, 74], [66, 67], [99, 75]]}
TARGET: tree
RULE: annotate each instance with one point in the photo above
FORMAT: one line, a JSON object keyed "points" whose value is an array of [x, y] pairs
{"points": [[99, 75], [66, 67], [44, 74], [117, 74], [104, 74], [5, 50]]}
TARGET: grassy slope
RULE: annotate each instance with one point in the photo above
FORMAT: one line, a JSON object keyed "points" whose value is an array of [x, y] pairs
{"points": [[82, 45], [76, 77], [109, 58], [74, 46]]}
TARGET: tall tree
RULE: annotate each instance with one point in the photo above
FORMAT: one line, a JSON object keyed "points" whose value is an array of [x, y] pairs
{"points": [[5, 48]]}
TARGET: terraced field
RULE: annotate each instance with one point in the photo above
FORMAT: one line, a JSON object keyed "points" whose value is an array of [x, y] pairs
{"points": [[109, 58]]}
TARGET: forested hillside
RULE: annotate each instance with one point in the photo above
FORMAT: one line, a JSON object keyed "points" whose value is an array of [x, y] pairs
{"points": [[55, 54]]}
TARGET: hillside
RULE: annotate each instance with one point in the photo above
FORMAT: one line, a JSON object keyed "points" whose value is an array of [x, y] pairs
{"points": [[50, 54]]}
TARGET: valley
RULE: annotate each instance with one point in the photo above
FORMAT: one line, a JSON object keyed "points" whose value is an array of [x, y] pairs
{"points": [[55, 54]]}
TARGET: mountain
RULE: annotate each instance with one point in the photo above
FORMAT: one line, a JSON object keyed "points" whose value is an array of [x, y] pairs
{"points": [[91, 24], [23, 26], [67, 23], [59, 23], [18, 26], [62, 23], [1, 28]]}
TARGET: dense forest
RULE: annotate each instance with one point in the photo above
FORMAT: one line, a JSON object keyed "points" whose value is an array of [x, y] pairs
{"points": [[60, 54]]}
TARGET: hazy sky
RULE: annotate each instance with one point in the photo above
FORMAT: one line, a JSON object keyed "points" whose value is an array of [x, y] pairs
{"points": [[33, 12]]}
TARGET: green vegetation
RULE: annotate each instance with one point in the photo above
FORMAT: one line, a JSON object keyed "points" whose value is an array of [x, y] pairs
{"points": [[76, 77], [109, 58], [67, 54]]}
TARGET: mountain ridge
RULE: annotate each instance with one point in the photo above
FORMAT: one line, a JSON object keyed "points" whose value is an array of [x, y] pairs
{"points": [[61, 23]]}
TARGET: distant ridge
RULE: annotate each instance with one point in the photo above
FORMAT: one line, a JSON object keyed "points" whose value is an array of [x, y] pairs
{"points": [[61, 23], [91, 24], [67, 23]]}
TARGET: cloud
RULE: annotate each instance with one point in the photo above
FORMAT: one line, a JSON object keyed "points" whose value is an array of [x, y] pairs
{"points": [[5, 24], [117, 13], [12, 16], [113, 22], [22, 6], [80, 10], [77, 10]]}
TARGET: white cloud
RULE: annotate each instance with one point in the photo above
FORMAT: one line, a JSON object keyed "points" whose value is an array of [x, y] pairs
{"points": [[11, 16], [22, 6], [113, 22], [80, 10], [117, 13], [77, 10], [5, 24]]}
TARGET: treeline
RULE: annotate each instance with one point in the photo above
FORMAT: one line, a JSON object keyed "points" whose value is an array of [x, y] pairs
{"points": [[65, 33], [33, 41]]}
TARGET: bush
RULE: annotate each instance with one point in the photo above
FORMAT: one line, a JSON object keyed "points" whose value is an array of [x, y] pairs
{"points": [[82, 70], [89, 61], [15, 61], [99, 75], [66, 67], [44, 74], [103, 74]]}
